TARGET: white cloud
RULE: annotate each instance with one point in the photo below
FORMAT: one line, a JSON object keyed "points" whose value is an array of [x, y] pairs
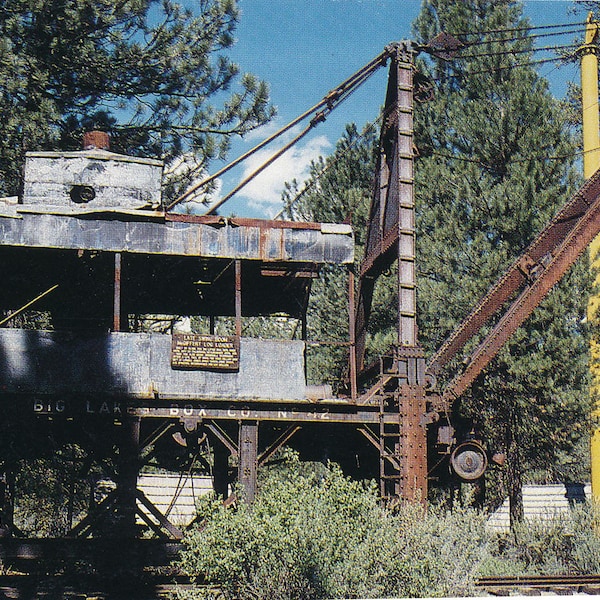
{"points": [[263, 132], [264, 191]]}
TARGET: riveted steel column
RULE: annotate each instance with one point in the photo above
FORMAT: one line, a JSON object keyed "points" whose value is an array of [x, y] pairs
{"points": [[412, 484], [412, 450]]}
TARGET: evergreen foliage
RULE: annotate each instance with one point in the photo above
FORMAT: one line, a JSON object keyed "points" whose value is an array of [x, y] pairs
{"points": [[313, 533], [338, 190], [495, 162], [151, 72], [50, 499]]}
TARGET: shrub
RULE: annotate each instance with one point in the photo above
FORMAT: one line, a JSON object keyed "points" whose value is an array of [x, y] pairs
{"points": [[317, 534], [561, 545]]}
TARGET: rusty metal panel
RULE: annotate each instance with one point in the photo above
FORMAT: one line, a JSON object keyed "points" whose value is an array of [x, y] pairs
{"points": [[220, 221], [269, 370], [43, 362], [150, 234]]}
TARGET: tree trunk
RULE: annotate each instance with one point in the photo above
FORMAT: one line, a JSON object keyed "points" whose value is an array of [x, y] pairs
{"points": [[514, 468]]}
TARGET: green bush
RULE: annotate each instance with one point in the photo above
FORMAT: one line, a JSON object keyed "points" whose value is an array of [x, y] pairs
{"points": [[313, 533], [561, 545]]}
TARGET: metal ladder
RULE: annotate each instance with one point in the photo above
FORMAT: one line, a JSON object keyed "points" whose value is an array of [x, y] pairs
{"points": [[389, 435]]}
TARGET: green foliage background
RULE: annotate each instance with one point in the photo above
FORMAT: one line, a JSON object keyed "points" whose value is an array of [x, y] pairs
{"points": [[313, 533], [495, 160], [152, 73]]}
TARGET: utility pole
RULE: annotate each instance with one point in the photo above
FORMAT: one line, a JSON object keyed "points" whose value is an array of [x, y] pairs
{"points": [[591, 163]]}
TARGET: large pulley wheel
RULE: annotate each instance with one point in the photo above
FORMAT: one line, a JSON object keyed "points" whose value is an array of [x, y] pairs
{"points": [[469, 461]]}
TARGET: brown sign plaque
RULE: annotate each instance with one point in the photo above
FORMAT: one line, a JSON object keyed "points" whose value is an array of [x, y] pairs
{"points": [[205, 352]]}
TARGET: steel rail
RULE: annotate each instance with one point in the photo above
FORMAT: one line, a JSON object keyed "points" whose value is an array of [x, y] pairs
{"points": [[539, 581]]}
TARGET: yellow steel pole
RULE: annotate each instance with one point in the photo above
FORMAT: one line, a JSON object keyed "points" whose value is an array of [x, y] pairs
{"points": [[589, 91], [591, 163]]}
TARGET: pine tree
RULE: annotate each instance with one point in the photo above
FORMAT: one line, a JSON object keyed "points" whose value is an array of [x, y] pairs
{"points": [[147, 71], [496, 162], [338, 189]]}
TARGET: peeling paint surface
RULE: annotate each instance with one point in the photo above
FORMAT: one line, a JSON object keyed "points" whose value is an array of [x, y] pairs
{"points": [[139, 366], [151, 234]]}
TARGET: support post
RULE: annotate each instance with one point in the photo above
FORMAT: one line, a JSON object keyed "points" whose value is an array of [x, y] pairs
{"points": [[129, 463], [248, 459], [591, 162], [238, 298], [352, 329], [220, 470], [412, 444], [117, 294]]}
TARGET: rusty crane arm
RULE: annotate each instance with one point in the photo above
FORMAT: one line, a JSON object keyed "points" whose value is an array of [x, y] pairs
{"points": [[530, 278]]}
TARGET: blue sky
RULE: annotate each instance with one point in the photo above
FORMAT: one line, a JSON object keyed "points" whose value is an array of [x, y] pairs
{"points": [[304, 48]]}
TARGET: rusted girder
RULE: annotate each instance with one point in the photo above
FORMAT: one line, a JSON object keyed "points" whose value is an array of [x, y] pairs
{"points": [[570, 232], [412, 484], [525, 269]]}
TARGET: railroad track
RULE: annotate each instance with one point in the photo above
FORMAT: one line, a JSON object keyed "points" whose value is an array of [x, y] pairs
{"points": [[560, 584], [50, 587]]}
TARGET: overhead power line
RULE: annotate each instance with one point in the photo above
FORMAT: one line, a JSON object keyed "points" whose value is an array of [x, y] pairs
{"points": [[516, 29], [517, 51], [530, 63], [533, 36], [573, 154]]}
